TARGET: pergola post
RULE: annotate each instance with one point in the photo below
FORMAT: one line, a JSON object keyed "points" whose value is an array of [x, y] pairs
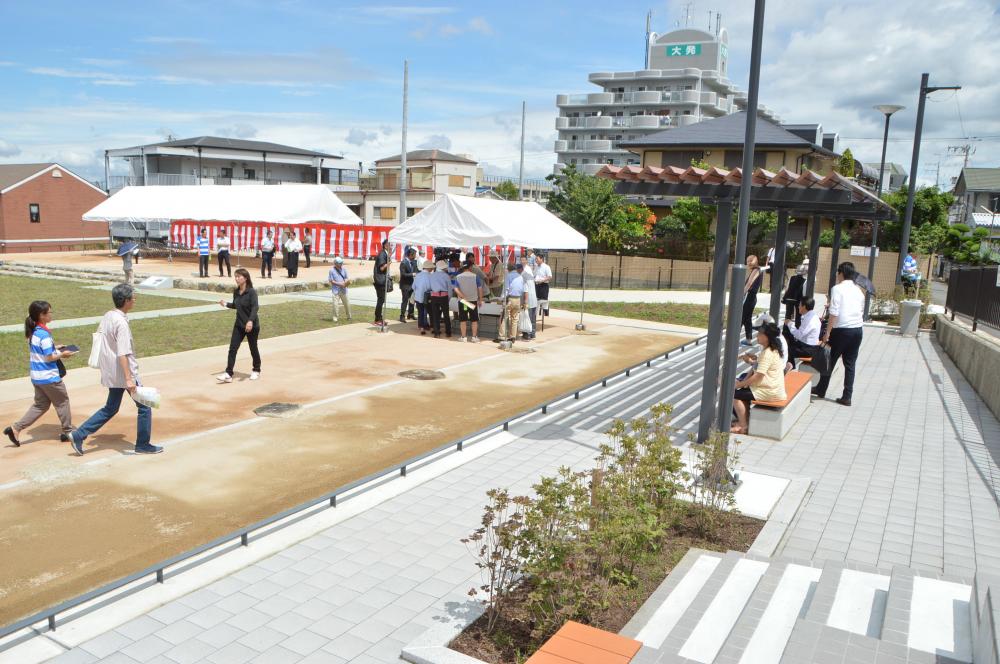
{"points": [[838, 224], [813, 255], [871, 266], [713, 346], [778, 265]]}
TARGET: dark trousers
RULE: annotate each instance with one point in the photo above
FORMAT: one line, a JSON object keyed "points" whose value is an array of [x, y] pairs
{"points": [[202, 266], [239, 333], [379, 301], [533, 316], [439, 310], [422, 321], [406, 305], [792, 313], [306, 250], [293, 263], [224, 258], [796, 349], [845, 342], [266, 263], [749, 303]]}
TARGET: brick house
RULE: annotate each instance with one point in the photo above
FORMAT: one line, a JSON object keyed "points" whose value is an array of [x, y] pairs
{"points": [[42, 206]]}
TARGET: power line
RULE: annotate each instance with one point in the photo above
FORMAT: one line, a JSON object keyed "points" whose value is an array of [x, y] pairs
{"points": [[925, 138]]}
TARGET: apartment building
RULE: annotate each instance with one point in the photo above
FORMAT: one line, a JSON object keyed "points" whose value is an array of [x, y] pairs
{"points": [[685, 82]]}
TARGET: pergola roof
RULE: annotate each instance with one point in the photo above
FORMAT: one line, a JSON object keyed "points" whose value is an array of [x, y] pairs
{"points": [[805, 192]]}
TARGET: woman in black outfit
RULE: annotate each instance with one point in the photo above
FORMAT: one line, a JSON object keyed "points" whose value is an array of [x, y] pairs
{"points": [[755, 277], [247, 325]]}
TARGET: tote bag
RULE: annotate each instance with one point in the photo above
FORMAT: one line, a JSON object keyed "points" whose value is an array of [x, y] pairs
{"points": [[94, 362]]}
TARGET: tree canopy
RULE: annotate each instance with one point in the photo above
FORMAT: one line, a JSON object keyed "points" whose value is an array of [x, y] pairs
{"points": [[507, 190], [591, 206]]}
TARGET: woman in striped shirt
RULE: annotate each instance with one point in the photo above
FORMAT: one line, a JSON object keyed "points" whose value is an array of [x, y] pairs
{"points": [[44, 357]]}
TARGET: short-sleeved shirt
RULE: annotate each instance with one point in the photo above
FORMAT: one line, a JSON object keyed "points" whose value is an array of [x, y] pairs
{"points": [[203, 249], [267, 244], [293, 246], [543, 273], [772, 387], [910, 267], [469, 283], [222, 244], [41, 346], [116, 342], [847, 303], [439, 282], [337, 274], [515, 284], [421, 286]]}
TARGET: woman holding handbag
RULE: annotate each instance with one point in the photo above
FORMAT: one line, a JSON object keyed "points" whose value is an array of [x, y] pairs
{"points": [[47, 371]]}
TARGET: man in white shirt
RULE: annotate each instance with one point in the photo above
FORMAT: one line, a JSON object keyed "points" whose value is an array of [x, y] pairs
{"points": [[267, 254], [292, 248], [803, 339], [844, 330], [543, 277]]}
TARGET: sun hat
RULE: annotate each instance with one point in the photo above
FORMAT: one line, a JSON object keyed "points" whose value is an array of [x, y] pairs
{"points": [[428, 265], [442, 265], [338, 260]]}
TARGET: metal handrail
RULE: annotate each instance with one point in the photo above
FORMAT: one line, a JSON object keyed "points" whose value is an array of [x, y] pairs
{"points": [[243, 534]]}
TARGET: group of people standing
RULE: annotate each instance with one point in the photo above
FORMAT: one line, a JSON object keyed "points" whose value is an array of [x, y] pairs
{"points": [[291, 247]]}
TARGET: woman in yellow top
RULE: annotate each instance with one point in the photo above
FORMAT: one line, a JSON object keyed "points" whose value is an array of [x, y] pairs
{"points": [[767, 382]]}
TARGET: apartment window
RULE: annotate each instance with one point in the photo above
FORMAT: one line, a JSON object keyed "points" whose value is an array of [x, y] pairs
{"points": [[689, 87], [687, 112], [572, 161], [34, 213], [249, 174], [226, 172], [385, 213]]}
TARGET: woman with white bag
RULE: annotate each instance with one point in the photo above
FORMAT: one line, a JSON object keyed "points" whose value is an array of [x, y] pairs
{"points": [[47, 371], [530, 296]]}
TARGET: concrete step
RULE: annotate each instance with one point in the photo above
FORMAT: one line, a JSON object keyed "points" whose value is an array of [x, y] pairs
{"points": [[937, 618], [859, 602]]}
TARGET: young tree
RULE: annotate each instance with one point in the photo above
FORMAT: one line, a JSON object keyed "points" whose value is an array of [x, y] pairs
{"points": [[930, 206], [846, 164], [690, 216], [507, 190], [591, 206]]}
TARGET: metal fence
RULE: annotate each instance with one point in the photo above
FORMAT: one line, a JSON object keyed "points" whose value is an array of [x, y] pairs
{"points": [[158, 572], [974, 292]]}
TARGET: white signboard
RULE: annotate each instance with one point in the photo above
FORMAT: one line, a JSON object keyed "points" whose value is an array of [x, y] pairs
{"points": [[863, 251]]}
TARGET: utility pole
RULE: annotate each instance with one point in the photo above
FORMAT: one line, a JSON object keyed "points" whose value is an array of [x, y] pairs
{"points": [[964, 150], [520, 172], [904, 242], [402, 155]]}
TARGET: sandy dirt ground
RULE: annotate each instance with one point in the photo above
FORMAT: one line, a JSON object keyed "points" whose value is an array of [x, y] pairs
{"points": [[186, 266], [69, 525]]}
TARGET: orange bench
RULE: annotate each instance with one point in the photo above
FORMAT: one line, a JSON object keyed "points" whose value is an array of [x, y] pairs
{"points": [[773, 419], [575, 643]]}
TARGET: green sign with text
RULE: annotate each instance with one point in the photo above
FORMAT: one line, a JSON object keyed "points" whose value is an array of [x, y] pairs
{"points": [[683, 49]]}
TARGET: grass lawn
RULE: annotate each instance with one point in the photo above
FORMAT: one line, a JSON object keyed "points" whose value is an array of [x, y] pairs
{"points": [[69, 299], [693, 315], [172, 334]]}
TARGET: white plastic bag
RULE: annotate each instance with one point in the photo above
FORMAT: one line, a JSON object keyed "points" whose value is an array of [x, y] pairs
{"points": [[147, 396], [524, 322], [94, 362]]}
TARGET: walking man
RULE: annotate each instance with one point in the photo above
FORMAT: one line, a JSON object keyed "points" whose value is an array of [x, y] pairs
{"points": [[120, 374], [844, 330], [408, 269], [203, 252], [338, 287], [267, 254], [380, 275]]}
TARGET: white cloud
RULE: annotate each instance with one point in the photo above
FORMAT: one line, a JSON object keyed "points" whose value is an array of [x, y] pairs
{"points": [[435, 142], [477, 24], [97, 77], [238, 130], [8, 149], [101, 62], [360, 137]]}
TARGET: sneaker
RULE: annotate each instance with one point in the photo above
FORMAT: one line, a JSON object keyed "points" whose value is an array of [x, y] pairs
{"points": [[254, 375], [462, 339], [149, 449], [224, 378], [474, 340], [76, 443]]}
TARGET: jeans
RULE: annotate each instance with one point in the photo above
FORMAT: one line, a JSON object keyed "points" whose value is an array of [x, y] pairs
{"points": [[379, 301], [845, 342], [224, 258], [422, 321], [266, 262], [110, 409], [203, 266], [239, 333]]}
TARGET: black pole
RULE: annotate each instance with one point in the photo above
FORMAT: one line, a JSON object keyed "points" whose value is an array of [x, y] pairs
{"points": [[778, 265], [813, 255], [710, 381], [878, 192], [738, 275], [838, 224]]}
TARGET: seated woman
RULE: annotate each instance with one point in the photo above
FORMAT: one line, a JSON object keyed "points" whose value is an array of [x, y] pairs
{"points": [[767, 382]]}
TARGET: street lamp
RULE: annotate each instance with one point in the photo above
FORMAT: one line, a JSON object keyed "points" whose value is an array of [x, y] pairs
{"points": [[887, 110]]}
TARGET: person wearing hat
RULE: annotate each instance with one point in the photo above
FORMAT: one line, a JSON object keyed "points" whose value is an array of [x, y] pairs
{"points": [[439, 285], [514, 303], [497, 276], [421, 292], [338, 279]]}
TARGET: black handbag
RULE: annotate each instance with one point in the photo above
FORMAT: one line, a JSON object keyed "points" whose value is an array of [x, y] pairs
{"points": [[62, 368], [388, 284], [821, 360]]}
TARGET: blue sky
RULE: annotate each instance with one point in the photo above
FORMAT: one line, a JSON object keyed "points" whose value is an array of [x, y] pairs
{"points": [[82, 77]]}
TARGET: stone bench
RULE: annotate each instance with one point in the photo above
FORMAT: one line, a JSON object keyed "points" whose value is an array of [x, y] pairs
{"points": [[805, 366], [575, 643], [773, 419]]}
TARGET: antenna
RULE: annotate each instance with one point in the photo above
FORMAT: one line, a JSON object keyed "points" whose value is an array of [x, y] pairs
{"points": [[649, 20], [710, 20], [718, 23], [687, 14]]}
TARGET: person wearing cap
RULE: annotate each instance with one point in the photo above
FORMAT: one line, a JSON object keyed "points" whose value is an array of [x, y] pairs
{"points": [[338, 279], [408, 269], [497, 276], [515, 301], [439, 285], [469, 288], [421, 292]]}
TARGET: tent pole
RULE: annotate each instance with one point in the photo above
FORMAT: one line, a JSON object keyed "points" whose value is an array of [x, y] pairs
{"points": [[583, 290]]}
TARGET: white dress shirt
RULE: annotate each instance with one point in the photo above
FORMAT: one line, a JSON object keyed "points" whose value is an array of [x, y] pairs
{"points": [[847, 303], [808, 331]]}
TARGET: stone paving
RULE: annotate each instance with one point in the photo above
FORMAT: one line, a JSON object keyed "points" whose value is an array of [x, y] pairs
{"points": [[908, 475]]}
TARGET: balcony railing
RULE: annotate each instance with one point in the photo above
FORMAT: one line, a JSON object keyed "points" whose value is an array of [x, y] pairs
{"points": [[174, 179]]}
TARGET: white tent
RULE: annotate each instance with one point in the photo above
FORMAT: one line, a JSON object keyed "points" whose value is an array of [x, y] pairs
{"points": [[464, 221], [284, 204]]}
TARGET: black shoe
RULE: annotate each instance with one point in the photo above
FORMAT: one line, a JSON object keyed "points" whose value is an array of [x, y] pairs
{"points": [[402, 319], [816, 394], [9, 432], [149, 449], [844, 402], [64, 437]]}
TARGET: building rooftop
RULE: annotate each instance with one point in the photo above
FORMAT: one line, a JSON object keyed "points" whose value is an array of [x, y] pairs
{"points": [[14, 173], [220, 142], [428, 155], [980, 179], [727, 131]]}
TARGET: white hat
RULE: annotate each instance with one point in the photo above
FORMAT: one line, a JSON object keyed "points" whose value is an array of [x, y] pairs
{"points": [[338, 260], [442, 265]]}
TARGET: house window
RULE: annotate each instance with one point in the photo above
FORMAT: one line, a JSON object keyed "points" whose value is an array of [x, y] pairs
{"points": [[459, 181], [734, 159], [412, 211], [249, 174], [226, 172], [34, 213], [682, 158], [385, 213]]}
